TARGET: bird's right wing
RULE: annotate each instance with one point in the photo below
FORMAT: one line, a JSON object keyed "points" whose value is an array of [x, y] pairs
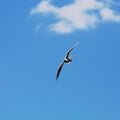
{"points": [[71, 50], [59, 69]]}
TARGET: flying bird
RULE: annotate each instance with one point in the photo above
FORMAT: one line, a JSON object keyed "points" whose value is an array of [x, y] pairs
{"points": [[66, 60]]}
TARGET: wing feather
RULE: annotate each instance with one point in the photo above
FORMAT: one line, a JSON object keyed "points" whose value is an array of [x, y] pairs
{"points": [[67, 55], [59, 69]]}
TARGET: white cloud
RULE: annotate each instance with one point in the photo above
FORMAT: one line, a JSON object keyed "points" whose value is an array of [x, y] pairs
{"points": [[81, 14], [43, 7], [109, 15], [62, 27]]}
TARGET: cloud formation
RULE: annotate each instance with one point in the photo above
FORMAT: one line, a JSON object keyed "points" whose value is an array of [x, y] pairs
{"points": [[79, 15]]}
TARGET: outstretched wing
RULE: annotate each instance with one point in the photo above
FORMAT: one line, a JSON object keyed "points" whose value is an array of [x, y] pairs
{"points": [[59, 69], [67, 55]]}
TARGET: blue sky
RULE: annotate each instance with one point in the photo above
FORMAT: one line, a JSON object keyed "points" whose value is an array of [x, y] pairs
{"points": [[35, 36]]}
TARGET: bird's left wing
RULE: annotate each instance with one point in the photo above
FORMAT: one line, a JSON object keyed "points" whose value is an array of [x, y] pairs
{"points": [[59, 69]]}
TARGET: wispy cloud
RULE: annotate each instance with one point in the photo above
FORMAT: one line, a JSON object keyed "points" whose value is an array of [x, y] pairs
{"points": [[79, 15], [109, 15]]}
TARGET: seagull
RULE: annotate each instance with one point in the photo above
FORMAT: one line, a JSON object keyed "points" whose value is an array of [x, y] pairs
{"points": [[66, 60]]}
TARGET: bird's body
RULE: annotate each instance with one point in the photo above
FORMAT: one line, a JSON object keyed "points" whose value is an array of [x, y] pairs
{"points": [[66, 60]]}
